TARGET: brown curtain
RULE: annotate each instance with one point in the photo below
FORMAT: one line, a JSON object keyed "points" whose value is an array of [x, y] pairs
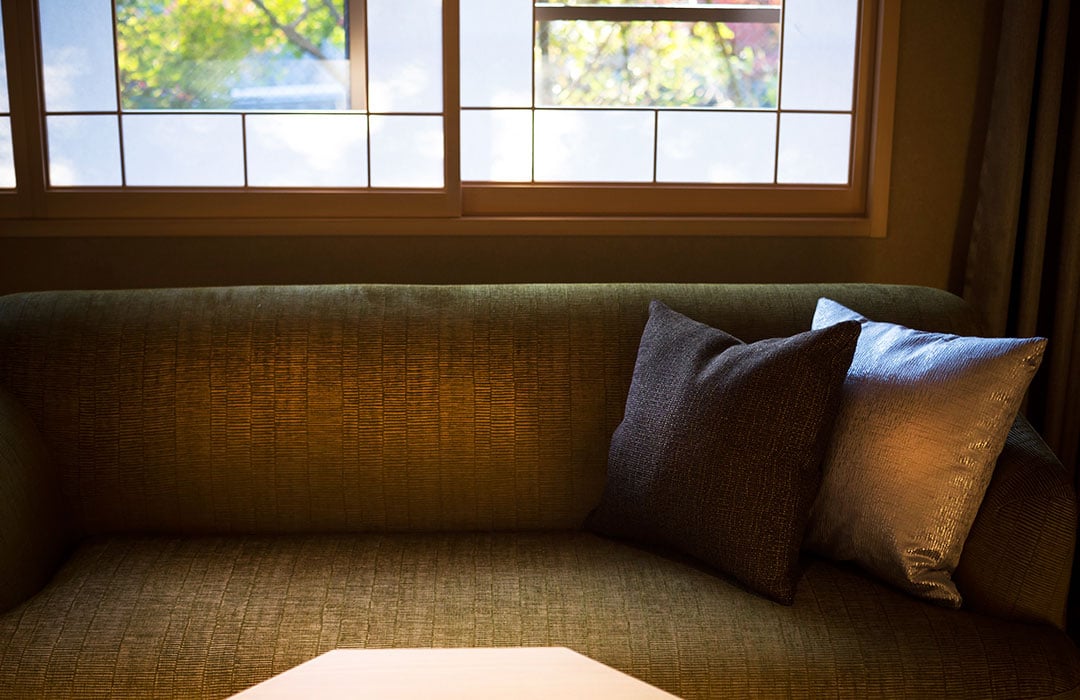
{"points": [[1023, 264], [1023, 260]]}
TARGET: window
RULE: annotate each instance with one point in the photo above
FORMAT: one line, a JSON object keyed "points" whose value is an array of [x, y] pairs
{"points": [[659, 92], [170, 109], [751, 112], [695, 107], [205, 93]]}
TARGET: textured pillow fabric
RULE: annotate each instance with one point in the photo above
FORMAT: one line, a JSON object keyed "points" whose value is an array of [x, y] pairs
{"points": [[922, 422], [719, 451]]}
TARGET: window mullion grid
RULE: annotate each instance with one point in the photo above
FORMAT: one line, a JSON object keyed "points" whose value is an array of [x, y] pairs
{"points": [[451, 109], [860, 37], [779, 95], [366, 58], [356, 46], [358, 78], [656, 144], [532, 96], [244, 146], [119, 100], [628, 13]]}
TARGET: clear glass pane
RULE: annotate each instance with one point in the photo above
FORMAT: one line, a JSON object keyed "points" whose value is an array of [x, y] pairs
{"points": [[716, 147], [186, 150], [84, 150], [7, 155], [405, 55], [406, 151], [819, 54], [77, 52], [501, 28], [307, 150], [496, 145], [594, 146], [814, 149], [233, 55], [665, 64]]}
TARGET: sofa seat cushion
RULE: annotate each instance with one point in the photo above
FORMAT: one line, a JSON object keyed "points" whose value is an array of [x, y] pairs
{"points": [[206, 617]]}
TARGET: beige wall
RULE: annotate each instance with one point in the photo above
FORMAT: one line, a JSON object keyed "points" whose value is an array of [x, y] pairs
{"points": [[941, 57]]}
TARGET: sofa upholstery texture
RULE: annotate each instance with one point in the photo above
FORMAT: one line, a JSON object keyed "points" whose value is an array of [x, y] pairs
{"points": [[201, 488]]}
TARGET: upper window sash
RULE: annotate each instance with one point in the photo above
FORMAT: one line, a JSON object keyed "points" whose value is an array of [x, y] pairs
{"points": [[233, 188], [849, 203]]}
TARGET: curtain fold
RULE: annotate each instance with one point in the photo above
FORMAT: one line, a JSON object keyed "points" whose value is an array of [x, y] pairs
{"points": [[1023, 263]]}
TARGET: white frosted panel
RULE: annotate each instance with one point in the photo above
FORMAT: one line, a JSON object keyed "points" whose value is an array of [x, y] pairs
{"points": [[716, 147], [405, 55], [819, 54], [406, 151], [307, 150], [185, 150], [814, 149], [7, 156], [594, 146], [4, 106], [77, 51], [84, 151], [496, 145], [502, 29]]}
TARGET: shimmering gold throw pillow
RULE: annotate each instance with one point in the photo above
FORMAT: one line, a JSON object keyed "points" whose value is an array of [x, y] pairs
{"points": [[922, 421]]}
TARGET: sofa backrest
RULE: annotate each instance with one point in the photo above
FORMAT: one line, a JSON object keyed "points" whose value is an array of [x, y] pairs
{"points": [[361, 407]]}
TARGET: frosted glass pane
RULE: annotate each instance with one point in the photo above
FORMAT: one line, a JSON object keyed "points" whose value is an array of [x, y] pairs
{"points": [[4, 107], [84, 151], [501, 28], [594, 146], [7, 156], [814, 148], [496, 146], [819, 54], [185, 150], [716, 147], [405, 55], [406, 151], [307, 150], [77, 51]]}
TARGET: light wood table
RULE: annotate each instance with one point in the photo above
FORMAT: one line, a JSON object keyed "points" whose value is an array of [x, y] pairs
{"points": [[520, 673]]}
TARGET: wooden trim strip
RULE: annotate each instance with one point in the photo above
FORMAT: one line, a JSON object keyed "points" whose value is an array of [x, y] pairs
{"points": [[646, 13], [660, 227]]}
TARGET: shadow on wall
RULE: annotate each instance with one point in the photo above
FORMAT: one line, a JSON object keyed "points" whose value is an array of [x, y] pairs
{"points": [[132, 262]]}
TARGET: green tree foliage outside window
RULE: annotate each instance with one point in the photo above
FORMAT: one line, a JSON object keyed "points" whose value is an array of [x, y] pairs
{"points": [[657, 64], [193, 54], [210, 54]]}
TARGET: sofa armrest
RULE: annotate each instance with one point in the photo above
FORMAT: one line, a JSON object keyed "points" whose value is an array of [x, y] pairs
{"points": [[32, 535], [1018, 557]]}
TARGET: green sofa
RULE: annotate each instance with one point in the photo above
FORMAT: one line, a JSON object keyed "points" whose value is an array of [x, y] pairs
{"points": [[202, 488]]}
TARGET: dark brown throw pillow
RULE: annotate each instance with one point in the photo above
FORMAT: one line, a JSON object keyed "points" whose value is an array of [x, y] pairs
{"points": [[719, 452]]}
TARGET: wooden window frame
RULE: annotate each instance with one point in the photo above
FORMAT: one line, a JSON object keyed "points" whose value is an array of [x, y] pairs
{"points": [[857, 209]]}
